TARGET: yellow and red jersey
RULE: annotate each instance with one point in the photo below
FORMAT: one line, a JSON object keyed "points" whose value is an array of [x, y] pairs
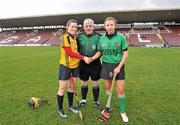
{"points": [[66, 40]]}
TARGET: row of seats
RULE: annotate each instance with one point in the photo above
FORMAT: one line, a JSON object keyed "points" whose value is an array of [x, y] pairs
{"points": [[172, 36], [29, 37]]}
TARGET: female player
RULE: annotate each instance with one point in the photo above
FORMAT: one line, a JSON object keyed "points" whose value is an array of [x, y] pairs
{"points": [[68, 66], [114, 50]]}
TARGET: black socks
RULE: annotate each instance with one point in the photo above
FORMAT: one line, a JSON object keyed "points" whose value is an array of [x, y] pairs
{"points": [[95, 93], [60, 101]]}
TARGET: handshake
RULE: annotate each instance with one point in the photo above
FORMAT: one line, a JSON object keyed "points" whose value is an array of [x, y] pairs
{"points": [[88, 59]]}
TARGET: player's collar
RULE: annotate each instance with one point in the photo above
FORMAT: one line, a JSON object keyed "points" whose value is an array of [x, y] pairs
{"points": [[112, 35], [71, 35]]}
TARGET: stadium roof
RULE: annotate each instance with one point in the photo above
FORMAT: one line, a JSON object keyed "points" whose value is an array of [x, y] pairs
{"points": [[125, 16]]}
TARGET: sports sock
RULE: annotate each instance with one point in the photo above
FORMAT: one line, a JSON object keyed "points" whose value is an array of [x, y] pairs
{"points": [[84, 91], [96, 93], [70, 98], [60, 101], [107, 95], [121, 104]]}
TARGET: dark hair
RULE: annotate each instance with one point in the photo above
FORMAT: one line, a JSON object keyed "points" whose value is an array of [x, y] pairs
{"points": [[110, 18], [71, 21]]}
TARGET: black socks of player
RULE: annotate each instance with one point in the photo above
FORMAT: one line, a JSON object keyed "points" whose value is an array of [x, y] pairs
{"points": [[95, 93], [60, 101], [70, 98], [84, 91]]}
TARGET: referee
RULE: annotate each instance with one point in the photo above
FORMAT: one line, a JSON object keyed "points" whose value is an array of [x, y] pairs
{"points": [[87, 46]]}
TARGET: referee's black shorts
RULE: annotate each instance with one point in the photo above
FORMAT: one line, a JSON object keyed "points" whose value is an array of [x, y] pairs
{"points": [[92, 70]]}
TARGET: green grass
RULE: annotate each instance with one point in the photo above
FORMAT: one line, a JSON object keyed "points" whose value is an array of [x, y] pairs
{"points": [[152, 88]]}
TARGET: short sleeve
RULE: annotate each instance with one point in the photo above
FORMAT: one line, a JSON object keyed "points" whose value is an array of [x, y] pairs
{"points": [[99, 47], [124, 43]]}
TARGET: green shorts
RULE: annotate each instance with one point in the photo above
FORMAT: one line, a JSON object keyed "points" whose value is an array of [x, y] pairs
{"points": [[107, 71]]}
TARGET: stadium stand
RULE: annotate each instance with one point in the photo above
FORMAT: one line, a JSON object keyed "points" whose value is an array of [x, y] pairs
{"points": [[173, 36], [12, 37], [2, 35], [37, 37], [157, 31], [137, 37], [54, 40]]}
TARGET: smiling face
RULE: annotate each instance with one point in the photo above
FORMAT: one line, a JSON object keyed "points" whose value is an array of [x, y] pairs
{"points": [[72, 28], [88, 27], [110, 26]]}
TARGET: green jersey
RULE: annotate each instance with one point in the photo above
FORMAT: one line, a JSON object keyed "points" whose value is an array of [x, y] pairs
{"points": [[87, 45], [112, 47]]}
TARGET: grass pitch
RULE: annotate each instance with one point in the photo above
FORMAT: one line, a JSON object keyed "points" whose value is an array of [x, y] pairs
{"points": [[152, 88]]}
